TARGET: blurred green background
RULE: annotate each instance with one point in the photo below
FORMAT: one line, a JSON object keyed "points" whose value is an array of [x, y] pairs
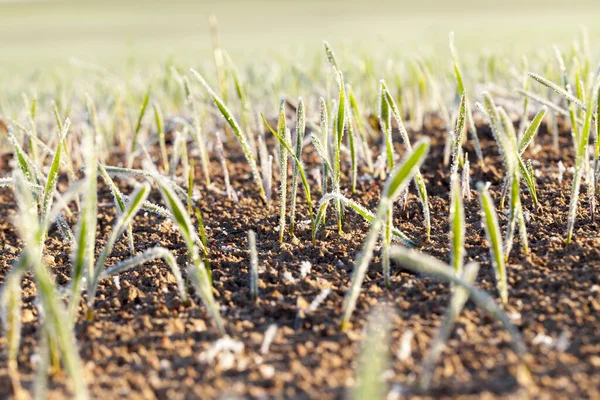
{"points": [[114, 33]]}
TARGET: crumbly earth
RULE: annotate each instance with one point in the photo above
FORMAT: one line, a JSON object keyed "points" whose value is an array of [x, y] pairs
{"points": [[144, 343]]}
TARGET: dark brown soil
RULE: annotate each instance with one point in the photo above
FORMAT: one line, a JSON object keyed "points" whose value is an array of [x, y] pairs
{"points": [[145, 344]]}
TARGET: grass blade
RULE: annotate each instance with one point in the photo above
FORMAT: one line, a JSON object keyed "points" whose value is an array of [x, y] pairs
{"points": [[253, 265], [200, 138], [160, 129], [147, 256], [283, 171], [10, 313], [197, 273], [396, 182], [52, 178], [363, 212], [457, 226], [553, 86], [532, 130], [135, 204], [374, 358], [300, 130], [419, 262], [291, 152], [138, 125], [85, 231], [580, 162], [460, 89], [494, 238], [237, 132], [385, 120], [197, 270], [120, 203], [458, 136], [419, 182]]}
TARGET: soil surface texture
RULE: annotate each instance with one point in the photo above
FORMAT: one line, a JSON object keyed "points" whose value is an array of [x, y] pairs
{"points": [[144, 343]]}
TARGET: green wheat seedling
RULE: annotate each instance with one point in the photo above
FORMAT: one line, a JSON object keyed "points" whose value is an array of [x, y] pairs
{"points": [[244, 102], [95, 274], [558, 90], [146, 256], [218, 55], [515, 210], [65, 158], [419, 181], [200, 138], [596, 172], [237, 132], [395, 184], [146, 206], [253, 265], [423, 263], [190, 186], [436, 92], [581, 160], [524, 142], [352, 138], [36, 189], [457, 226], [51, 178], [47, 151], [268, 178], [85, 232], [283, 170], [33, 143], [200, 274], [138, 125], [160, 130], [140, 173], [283, 142], [120, 201], [300, 131], [10, 315], [339, 124], [54, 314], [374, 357], [547, 103], [107, 171], [385, 120], [33, 137], [511, 152], [363, 129], [492, 232], [460, 90], [29, 169], [418, 96], [457, 212], [49, 191], [458, 136], [322, 146], [567, 93], [360, 210]]}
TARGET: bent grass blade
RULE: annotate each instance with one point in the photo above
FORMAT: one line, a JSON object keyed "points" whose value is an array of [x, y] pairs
{"points": [[396, 182]]}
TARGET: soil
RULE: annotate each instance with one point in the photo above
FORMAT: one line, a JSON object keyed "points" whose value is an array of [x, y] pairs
{"points": [[144, 343]]}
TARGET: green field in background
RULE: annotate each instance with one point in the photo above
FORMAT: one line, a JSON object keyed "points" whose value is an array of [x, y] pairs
{"points": [[113, 33]]}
